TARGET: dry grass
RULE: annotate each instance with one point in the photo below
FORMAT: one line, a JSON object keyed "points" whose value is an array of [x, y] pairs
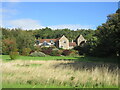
{"points": [[59, 73]]}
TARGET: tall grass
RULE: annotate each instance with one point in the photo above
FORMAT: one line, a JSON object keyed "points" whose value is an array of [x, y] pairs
{"points": [[46, 74]]}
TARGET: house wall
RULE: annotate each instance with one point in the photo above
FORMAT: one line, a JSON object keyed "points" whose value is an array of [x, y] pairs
{"points": [[80, 39], [63, 42]]}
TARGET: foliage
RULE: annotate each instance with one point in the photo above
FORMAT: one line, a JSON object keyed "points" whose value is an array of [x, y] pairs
{"points": [[16, 38], [24, 40], [37, 54], [106, 40], [88, 47], [26, 51], [55, 53], [47, 33], [66, 52], [37, 48], [8, 45], [47, 50], [74, 53], [13, 55], [108, 37]]}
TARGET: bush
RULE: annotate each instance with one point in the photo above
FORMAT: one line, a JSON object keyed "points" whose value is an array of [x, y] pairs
{"points": [[55, 49], [74, 53], [55, 53], [14, 55], [26, 51], [47, 50], [8, 45], [32, 51], [37, 54], [66, 52], [37, 48]]}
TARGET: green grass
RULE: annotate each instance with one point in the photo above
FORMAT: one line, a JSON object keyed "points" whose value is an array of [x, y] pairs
{"points": [[7, 58], [80, 58], [45, 74]]}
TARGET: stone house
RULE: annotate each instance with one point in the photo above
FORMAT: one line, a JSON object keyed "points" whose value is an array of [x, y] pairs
{"points": [[61, 42]]}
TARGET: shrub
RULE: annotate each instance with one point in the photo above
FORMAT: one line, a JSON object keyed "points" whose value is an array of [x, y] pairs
{"points": [[26, 51], [14, 55], [47, 50], [74, 54], [37, 54], [37, 48], [55, 49], [66, 52], [32, 51], [8, 45], [55, 53]]}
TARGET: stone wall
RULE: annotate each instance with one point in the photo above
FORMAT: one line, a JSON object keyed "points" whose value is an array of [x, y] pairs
{"points": [[63, 42], [80, 39]]}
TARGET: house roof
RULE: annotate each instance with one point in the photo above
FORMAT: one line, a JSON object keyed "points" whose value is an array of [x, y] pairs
{"points": [[72, 44], [48, 40]]}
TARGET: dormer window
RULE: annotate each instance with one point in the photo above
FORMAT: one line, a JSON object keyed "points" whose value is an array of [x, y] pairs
{"points": [[45, 43], [51, 41]]}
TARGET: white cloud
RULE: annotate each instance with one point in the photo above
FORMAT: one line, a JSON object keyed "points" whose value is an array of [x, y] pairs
{"points": [[28, 24], [25, 24], [71, 26]]}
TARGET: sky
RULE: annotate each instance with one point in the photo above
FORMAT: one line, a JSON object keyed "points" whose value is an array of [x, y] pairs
{"points": [[55, 15]]}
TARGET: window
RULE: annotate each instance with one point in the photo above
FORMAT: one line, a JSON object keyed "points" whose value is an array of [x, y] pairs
{"points": [[51, 41], [61, 46], [64, 42], [45, 43]]}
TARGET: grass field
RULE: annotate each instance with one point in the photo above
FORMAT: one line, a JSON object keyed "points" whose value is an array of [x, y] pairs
{"points": [[58, 72], [7, 58], [80, 58]]}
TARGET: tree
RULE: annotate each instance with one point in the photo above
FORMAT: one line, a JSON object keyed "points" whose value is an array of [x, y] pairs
{"points": [[108, 36], [24, 40], [8, 46], [108, 40]]}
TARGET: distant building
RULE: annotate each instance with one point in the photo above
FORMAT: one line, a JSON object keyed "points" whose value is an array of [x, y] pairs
{"points": [[62, 42]]}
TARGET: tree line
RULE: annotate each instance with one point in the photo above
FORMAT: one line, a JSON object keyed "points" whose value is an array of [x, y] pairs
{"points": [[104, 41], [22, 39]]}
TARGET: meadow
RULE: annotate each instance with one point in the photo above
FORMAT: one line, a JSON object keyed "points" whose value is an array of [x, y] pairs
{"points": [[59, 72]]}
